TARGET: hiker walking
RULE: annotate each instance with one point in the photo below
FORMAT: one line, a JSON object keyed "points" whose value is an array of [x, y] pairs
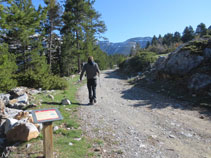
{"points": [[92, 70]]}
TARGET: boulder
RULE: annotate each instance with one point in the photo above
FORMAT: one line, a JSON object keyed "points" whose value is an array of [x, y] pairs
{"points": [[160, 63], [22, 132], [20, 102], [23, 99], [5, 98], [207, 53], [199, 81], [182, 62], [11, 113], [66, 102], [18, 91], [10, 122]]}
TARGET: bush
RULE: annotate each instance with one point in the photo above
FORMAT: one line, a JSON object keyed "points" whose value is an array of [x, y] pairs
{"points": [[44, 81], [57, 82], [37, 75], [138, 63]]}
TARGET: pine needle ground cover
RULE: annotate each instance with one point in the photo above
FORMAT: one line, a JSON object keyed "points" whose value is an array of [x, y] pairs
{"points": [[69, 141]]}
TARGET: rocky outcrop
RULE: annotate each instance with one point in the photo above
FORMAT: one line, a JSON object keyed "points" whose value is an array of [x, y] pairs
{"points": [[199, 82], [190, 63], [16, 124], [181, 63]]}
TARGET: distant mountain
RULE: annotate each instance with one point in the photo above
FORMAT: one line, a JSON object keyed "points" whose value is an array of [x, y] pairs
{"points": [[123, 47]]}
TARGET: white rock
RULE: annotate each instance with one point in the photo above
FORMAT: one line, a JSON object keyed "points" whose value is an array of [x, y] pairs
{"points": [[51, 96], [154, 136], [77, 139], [142, 146], [28, 146], [5, 98], [172, 136], [70, 144], [55, 128], [10, 122], [34, 92], [10, 113], [66, 102]]}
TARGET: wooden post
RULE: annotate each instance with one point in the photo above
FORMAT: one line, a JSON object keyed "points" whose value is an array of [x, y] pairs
{"points": [[48, 139]]}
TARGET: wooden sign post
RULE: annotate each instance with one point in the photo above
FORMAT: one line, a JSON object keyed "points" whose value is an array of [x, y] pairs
{"points": [[47, 116], [48, 139]]}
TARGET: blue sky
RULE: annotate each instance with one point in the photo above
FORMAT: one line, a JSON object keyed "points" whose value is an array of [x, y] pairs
{"points": [[139, 18]]}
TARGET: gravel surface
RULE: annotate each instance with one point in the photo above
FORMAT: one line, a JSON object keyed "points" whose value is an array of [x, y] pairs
{"points": [[135, 123]]}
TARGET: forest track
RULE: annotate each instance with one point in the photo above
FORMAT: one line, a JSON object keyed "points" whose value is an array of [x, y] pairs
{"points": [[136, 123]]}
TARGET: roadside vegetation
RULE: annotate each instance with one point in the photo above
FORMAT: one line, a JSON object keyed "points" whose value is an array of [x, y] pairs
{"points": [[33, 55], [69, 140]]}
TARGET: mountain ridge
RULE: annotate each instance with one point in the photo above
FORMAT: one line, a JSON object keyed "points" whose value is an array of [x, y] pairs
{"points": [[123, 47]]}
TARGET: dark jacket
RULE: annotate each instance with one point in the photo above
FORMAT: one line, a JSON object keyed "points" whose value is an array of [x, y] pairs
{"points": [[91, 70]]}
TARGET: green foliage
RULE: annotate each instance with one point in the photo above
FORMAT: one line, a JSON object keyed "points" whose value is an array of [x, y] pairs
{"points": [[53, 22], [82, 23], [7, 69], [197, 46], [38, 75], [188, 34], [201, 29], [138, 63]]}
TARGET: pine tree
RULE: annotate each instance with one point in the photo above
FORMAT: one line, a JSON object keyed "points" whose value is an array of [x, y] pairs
{"points": [[8, 68], [201, 29], [177, 37], [168, 39], [53, 22], [73, 18], [188, 34], [154, 40], [21, 23], [82, 23]]}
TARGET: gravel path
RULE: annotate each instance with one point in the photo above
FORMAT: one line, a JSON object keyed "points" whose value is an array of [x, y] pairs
{"points": [[134, 123]]}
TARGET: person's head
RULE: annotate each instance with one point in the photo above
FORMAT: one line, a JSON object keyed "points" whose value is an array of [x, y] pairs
{"points": [[90, 60]]}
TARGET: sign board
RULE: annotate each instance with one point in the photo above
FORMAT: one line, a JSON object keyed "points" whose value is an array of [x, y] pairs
{"points": [[46, 115]]}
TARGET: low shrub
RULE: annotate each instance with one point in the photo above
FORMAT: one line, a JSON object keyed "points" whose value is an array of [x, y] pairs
{"points": [[44, 81], [138, 63]]}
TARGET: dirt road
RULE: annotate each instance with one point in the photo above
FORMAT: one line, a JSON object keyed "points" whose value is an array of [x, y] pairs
{"points": [[135, 123]]}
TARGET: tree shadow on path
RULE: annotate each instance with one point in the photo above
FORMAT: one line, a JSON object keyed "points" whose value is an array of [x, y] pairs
{"points": [[154, 100], [115, 74]]}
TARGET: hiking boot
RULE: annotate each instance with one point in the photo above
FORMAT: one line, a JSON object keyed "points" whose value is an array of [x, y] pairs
{"points": [[91, 102]]}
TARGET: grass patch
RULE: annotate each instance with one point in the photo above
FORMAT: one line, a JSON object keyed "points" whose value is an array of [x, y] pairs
{"points": [[65, 143]]}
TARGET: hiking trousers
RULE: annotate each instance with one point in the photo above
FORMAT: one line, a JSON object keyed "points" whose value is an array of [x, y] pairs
{"points": [[92, 84]]}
